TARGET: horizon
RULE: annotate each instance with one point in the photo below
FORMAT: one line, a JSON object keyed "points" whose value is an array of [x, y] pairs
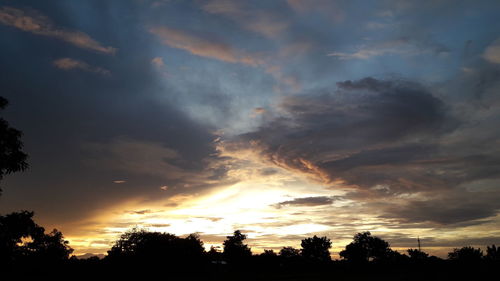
{"points": [[278, 118]]}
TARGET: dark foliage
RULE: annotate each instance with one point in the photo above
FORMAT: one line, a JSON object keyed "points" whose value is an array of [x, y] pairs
{"points": [[152, 248], [492, 253], [234, 249], [26, 251], [466, 255], [316, 249], [289, 253], [23, 241], [366, 248], [417, 255], [12, 158]]}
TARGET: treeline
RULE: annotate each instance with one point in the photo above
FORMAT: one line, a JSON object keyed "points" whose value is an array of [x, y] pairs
{"points": [[25, 248]]}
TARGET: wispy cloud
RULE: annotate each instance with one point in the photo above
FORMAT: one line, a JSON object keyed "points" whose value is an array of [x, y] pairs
{"points": [[70, 64], [492, 53], [401, 46], [307, 201], [158, 62], [36, 23], [266, 23], [203, 47], [331, 9]]}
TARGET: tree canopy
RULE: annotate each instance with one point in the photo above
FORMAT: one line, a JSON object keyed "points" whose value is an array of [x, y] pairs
{"points": [[22, 240], [142, 246], [12, 158], [365, 248], [492, 253], [234, 249], [316, 248], [466, 254], [289, 252]]}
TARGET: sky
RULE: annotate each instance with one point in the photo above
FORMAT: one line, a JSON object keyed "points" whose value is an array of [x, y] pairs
{"points": [[283, 119]]}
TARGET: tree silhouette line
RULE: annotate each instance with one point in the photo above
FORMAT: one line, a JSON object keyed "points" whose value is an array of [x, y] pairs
{"points": [[23, 242]]}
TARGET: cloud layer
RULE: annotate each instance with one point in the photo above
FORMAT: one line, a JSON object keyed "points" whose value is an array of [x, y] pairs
{"points": [[203, 47], [383, 139], [36, 23]]}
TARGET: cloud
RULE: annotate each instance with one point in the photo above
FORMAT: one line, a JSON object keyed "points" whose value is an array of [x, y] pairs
{"points": [[365, 124], [36, 23], [329, 9], [448, 208], [70, 64], [119, 181], [266, 23], [399, 148], [402, 46], [203, 47], [154, 160], [307, 201], [259, 110], [158, 62], [139, 212], [492, 52]]}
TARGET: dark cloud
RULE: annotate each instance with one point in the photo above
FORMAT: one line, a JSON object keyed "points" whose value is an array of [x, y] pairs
{"points": [[369, 127], [407, 241], [77, 124], [140, 212], [307, 201], [452, 208], [385, 138], [95, 110]]}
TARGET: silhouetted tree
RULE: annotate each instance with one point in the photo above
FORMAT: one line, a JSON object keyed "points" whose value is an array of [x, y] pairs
{"points": [[417, 255], [151, 248], [316, 248], [234, 249], [268, 253], [466, 254], [12, 158], [289, 252], [366, 248], [267, 260], [394, 257], [50, 246], [214, 255], [492, 253], [23, 241]]}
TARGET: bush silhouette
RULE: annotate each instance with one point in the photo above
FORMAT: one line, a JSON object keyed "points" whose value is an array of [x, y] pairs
{"points": [[492, 253], [417, 255], [466, 254], [289, 252]]}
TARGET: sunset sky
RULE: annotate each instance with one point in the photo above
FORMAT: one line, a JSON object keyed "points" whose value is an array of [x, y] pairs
{"points": [[284, 119]]}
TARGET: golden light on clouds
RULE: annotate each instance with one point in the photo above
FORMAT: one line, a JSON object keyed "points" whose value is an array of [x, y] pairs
{"points": [[250, 205]]}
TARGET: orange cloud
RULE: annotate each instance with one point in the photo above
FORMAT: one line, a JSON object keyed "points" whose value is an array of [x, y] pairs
{"points": [[39, 24], [69, 64], [202, 47], [158, 62]]}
